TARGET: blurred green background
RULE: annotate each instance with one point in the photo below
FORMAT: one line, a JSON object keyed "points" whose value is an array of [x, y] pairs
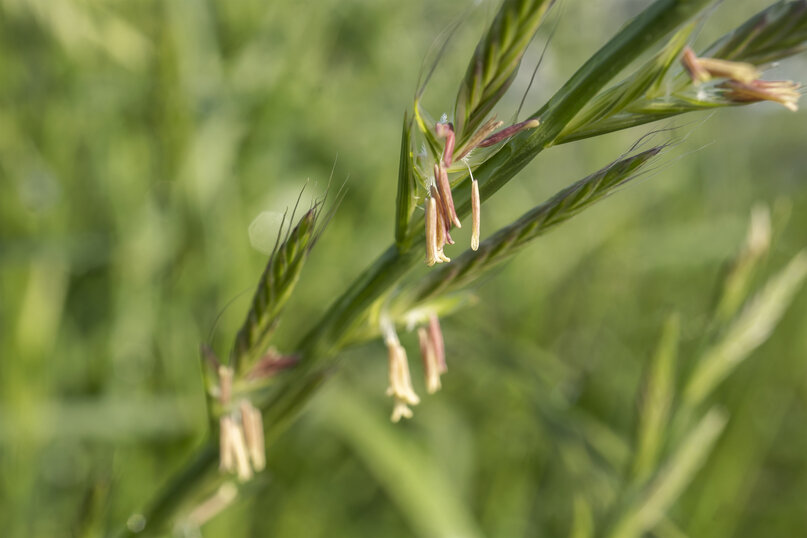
{"points": [[146, 150]]}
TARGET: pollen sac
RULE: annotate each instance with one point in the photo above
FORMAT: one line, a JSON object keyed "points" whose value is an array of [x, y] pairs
{"points": [[783, 92], [704, 69], [480, 135], [233, 449], [507, 132], [400, 383], [252, 421], [436, 336], [430, 366], [446, 130], [476, 214], [444, 188], [431, 232]]}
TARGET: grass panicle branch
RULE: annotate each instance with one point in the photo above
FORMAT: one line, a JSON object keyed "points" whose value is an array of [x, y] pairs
{"points": [[774, 33], [510, 239], [689, 437], [492, 69]]}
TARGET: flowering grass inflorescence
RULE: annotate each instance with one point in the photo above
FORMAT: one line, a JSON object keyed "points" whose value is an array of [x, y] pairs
{"points": [[463, 161]]}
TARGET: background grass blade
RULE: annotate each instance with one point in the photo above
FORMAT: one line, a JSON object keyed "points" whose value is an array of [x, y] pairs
{"points": [[751, 328], [655, 401], [423, 491], [736, 285], [651, 505]]}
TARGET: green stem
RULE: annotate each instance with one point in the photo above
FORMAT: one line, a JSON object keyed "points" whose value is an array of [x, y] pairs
{"points": [[170, 498], [322, 343]]}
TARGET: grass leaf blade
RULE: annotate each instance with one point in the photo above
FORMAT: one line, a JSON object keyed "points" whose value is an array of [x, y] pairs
{"points": [[650, 507], [751, 328]]}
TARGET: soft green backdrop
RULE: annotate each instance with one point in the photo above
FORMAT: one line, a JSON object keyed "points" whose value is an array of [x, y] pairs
{"points": [[146, 148]]}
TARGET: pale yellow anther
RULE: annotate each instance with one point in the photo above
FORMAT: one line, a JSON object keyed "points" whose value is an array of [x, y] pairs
{"points": [[705, 69], [400, 410], [739, 71], [234, 449], [431, 232], [226, 457], [431, 367], [476, 214], [783, 92], [252, 420], [400, 382]]}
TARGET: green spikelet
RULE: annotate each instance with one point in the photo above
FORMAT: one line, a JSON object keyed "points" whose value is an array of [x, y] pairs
{"points": [[274, 288], [495, 62]]}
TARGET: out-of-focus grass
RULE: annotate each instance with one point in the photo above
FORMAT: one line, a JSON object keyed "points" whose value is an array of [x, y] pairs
{"points": [[140, 140]]}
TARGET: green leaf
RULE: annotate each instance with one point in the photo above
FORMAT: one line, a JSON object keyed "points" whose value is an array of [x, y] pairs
{"points": [[425, 495]]}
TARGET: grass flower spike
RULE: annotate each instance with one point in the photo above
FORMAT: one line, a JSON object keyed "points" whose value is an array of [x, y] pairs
{"points": [[635, 78], [241, 442]]}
